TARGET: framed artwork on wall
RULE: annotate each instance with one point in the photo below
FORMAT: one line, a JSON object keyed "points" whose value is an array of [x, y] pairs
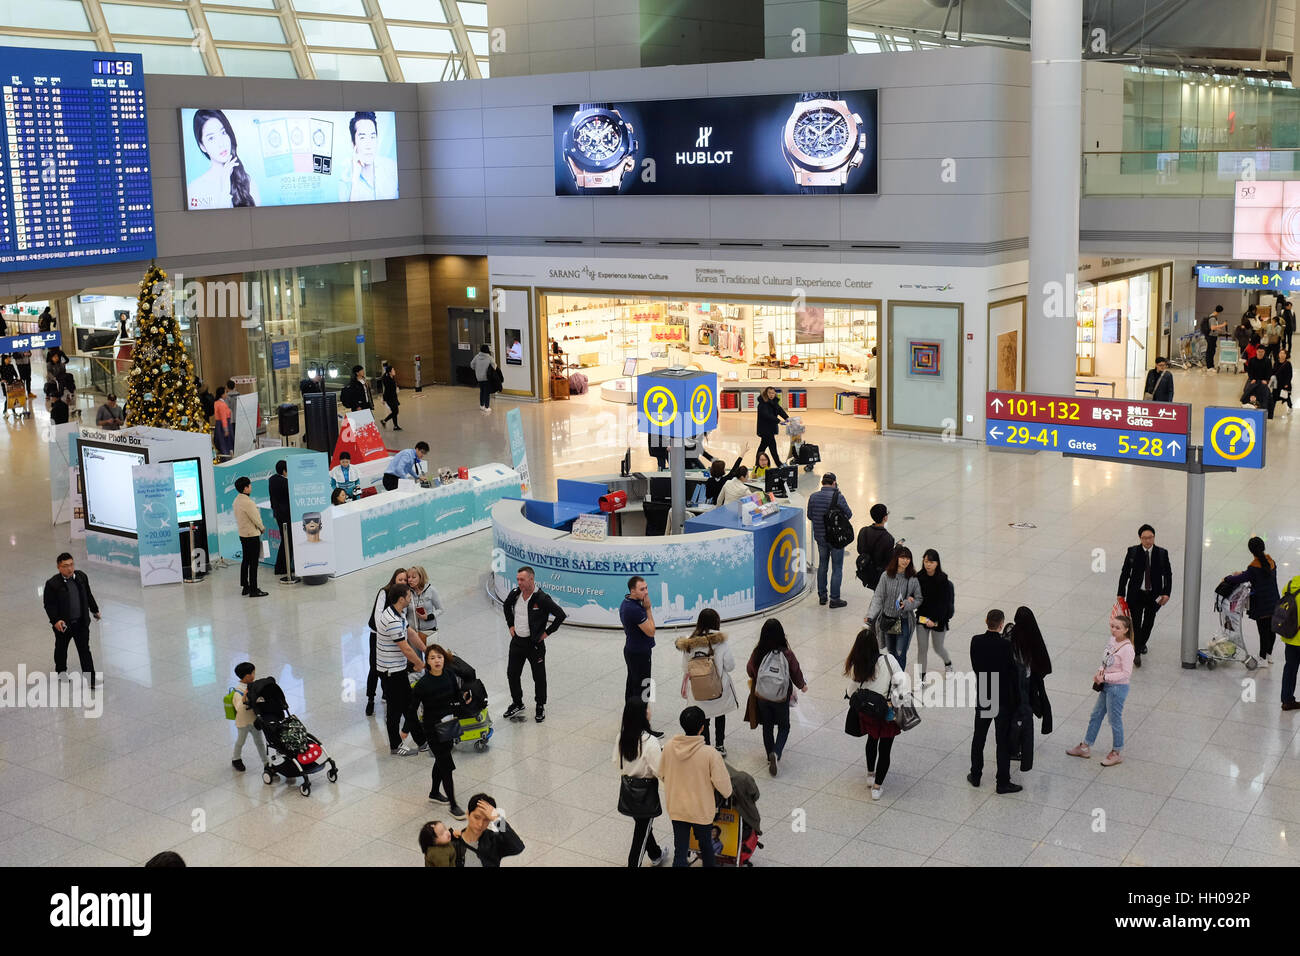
{"points": [[1006, 337], [926, 358]]}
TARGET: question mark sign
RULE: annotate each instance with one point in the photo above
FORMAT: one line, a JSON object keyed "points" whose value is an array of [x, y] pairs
{"points": [[663, 404], [1233, 430], [787, 548]]}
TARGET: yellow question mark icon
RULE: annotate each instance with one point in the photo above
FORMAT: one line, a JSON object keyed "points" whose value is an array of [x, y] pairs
{"points": [[701, 404], [1236, 431], [784, 547], [660, 406]]}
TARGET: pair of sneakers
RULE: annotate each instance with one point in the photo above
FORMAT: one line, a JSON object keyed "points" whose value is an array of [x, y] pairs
{"points": [[436, 796], [1084, 751], [515, 712], [408, 748]]}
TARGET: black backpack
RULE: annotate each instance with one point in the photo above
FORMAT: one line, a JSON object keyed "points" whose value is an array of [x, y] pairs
{"points": [[1286, 616], [839, 532]]}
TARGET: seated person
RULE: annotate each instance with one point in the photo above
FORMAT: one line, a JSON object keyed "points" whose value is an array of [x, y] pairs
{"points": [[59, 411], [761, 465], [735, 488], [719, 476], [339, 497], [109, 416], [342, 476]]}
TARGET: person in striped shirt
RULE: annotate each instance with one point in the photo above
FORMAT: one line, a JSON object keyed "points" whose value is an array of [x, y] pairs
{"points": [[393, 652]]}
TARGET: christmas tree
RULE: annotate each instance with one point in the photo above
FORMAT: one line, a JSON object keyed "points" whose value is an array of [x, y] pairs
{"points": [[160, 389]]}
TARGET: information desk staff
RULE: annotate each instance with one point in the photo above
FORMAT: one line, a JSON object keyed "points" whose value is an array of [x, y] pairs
{"points": [[405, 464]]}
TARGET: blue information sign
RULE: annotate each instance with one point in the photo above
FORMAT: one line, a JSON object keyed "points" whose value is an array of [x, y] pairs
{"points": [[1213, 277], [32, 340], [280, 355], [680, 403], [1234, 437], [1138, 446]]}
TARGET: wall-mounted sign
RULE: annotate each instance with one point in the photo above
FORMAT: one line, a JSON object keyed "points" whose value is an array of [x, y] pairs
{"points": [[287, 157], [1215, 277], [816, 142]]}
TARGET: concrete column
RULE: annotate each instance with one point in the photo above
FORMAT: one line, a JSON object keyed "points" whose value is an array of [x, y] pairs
{"points": [[1055, 93], [824, 26]]}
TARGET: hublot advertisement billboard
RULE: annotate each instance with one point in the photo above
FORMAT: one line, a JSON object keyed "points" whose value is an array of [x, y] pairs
{"points": [[774, 145]]}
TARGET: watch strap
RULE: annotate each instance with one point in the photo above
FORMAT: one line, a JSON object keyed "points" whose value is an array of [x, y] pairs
{"points": [[594, 106], [825, 95]]}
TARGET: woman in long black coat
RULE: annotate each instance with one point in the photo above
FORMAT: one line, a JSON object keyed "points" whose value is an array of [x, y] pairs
{"points": [[390, 397], [1033, 664], [769, 414]]}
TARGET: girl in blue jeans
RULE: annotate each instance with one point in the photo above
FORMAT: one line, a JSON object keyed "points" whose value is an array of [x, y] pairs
{"points": [[894, 603], [1113, 676]]}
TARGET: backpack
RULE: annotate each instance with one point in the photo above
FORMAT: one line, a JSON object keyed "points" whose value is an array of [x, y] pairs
{"points": [[772, 682], [229, 701], [839, 532], [702, 672], [1286, 616]]}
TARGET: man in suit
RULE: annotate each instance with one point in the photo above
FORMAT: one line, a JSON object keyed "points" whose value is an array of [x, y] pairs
{"points": [[997, 693], [1145, 582], [278, 485], [69, 604]]}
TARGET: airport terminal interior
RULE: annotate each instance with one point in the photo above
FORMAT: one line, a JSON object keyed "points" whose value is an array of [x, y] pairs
{"points": [[1010, 283]]}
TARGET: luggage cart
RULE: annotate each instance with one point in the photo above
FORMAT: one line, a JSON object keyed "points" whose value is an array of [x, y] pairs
{"points": [[16, 400]]}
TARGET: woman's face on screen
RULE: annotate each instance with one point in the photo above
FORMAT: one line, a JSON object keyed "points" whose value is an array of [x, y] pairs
{"points": [[216, 141]]}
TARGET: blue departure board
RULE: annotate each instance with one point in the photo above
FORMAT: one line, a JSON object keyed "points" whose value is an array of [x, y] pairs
{"points": [[74, 160]]}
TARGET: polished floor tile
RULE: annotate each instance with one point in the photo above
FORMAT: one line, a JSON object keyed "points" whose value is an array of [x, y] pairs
{"points": [[1212, 768]]}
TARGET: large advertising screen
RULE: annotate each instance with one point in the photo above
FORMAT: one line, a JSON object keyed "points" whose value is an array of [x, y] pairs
{"points": [[784, 144], [287, 157], [1266, 221], [75, 184], [109, 490], [189, 490]]}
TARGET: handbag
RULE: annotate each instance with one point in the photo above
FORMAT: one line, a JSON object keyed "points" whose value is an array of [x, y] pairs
{"points": [[447, 730], [893, 627], [905, 713], [638, 797], [751, 708]]}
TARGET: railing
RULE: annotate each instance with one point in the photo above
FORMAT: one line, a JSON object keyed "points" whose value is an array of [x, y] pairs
{"points": [[108, 375], [1183, 172]]}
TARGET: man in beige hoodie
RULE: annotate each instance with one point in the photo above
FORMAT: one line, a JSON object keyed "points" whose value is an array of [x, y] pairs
{"points": [[691, 770]]}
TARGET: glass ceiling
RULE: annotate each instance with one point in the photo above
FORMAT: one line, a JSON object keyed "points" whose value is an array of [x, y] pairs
{"points": [[414, 41]]}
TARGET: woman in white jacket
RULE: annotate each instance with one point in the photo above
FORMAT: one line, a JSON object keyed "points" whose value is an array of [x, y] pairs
{"points": [[425, 603], [708, 640], [867, 667], [636, 754]]}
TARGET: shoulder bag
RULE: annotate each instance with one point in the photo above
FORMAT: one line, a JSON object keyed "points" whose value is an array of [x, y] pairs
{"points": [[638, 797], [905, 715]]}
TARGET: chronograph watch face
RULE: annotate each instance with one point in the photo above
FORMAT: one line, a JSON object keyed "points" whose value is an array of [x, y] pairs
{"points": [[823, 141], [598, 147]]}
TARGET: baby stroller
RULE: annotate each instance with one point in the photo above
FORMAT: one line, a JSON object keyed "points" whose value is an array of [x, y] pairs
{"points": [[302, 753], [1229, 645]]}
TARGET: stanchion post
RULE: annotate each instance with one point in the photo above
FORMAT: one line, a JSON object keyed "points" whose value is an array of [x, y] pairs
{"points": [[1194, 537], [677, 483]]}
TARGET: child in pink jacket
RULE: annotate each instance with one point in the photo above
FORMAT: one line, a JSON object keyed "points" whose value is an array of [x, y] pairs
{"points": [[1113, 677]]}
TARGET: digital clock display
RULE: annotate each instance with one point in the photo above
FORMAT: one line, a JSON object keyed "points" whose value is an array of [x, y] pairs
{"points": [[113, 67]]}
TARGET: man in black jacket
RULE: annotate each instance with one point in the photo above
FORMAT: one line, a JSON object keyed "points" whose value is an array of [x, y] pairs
{"points": [[355, 395], [278, 485], [875, 547], [997, 690], [69, 604], [1145, 582], [487, 838], [1160, 382], [528, 634]]}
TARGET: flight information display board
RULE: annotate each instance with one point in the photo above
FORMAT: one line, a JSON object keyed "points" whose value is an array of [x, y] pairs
{"points": [[74, 159]]}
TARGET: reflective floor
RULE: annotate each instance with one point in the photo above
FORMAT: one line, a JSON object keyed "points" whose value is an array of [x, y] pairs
{"points": [[1212, 766]]}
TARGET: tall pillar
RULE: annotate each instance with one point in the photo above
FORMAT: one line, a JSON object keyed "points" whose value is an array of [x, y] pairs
{"points": [[1055, 95], [822, 25]]}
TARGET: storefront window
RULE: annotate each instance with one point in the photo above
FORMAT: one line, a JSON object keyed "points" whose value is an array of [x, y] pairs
{"points": [[739, 339], [319, 313], [1117, 332]]}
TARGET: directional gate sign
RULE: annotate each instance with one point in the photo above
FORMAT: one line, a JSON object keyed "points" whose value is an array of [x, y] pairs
{"points": [[1139, 431]]}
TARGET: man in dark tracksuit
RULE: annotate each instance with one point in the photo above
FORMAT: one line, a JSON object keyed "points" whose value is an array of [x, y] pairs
{"points": [[528, 633], [69, 604]]}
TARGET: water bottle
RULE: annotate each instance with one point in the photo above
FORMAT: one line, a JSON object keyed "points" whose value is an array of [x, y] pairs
{"points": [[889, 714]]}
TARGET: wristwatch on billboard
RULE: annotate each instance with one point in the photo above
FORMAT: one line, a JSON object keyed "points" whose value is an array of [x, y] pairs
{"points": [[823, 141], [598, 148]]}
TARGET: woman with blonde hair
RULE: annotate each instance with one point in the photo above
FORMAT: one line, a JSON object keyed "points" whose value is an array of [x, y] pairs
{"points": [[425, 602], [1111, 684]]}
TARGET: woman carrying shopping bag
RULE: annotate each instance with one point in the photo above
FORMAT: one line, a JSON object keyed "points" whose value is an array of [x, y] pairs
{"points": [[636, 754]]}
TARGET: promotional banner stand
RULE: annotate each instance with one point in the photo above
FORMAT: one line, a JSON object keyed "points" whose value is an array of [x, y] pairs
{"points": [[196, 573], [286, 536]]}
